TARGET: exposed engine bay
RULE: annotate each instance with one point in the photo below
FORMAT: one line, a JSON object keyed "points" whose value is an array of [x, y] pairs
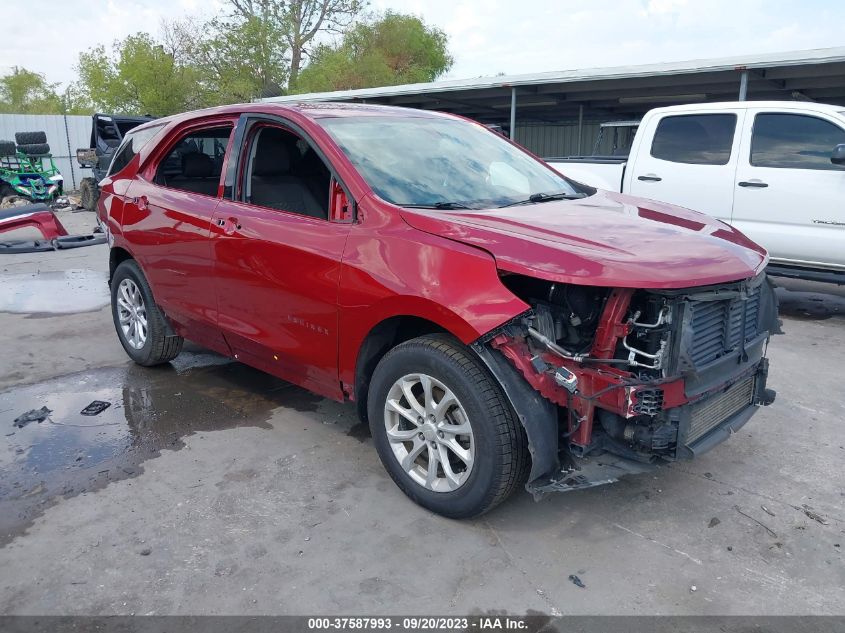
{"points": [[637, 376]]}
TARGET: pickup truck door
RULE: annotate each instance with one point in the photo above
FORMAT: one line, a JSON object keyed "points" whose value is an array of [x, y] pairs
{"points": [[788, 196], [688, 159], [277, 251]]}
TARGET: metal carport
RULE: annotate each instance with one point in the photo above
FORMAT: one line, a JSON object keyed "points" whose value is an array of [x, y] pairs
{"points": [[557, 112]]}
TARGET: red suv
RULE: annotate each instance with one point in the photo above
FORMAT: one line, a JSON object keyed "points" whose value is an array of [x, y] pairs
{"points": [[498, 324]]}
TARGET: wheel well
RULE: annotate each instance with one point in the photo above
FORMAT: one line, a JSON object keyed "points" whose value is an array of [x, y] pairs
{"points": [[380, 340], [117, 255]]}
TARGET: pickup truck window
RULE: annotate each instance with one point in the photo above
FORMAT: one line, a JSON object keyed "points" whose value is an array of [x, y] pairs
{"points": [[132, 144], [429, 161], [697, 139], [195, 162], [794, 141]]}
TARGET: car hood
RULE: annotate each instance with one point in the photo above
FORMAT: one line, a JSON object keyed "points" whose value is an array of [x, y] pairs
{"points": [[607, 239]]}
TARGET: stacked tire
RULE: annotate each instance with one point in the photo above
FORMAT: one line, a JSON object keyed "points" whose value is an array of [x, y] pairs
{"points": [[32, 143], [7, 148]]}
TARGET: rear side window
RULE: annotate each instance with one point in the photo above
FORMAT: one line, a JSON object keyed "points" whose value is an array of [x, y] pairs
{"points": [[195, 162], [696, 139], [132, 144], [794, 141]]}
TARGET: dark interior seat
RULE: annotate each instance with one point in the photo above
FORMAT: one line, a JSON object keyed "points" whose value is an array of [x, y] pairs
{"points": [[315, 175], [273, 185], [198, 175]]}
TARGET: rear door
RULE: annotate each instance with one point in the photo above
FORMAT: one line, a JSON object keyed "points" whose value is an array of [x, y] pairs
{"points": [[277, 251], [167, 221], [789, 197], [690, 160]]}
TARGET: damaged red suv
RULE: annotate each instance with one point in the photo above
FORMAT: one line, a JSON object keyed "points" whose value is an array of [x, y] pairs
{"points": [[497, 324]]}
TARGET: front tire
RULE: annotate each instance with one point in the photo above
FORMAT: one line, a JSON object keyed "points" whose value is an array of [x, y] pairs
{"points": [[88, 194], [443, 428], [141, 327]]}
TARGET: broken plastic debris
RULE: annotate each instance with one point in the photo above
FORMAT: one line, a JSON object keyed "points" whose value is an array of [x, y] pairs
{"points": [[577, 581], [35, 415], [95, 408]]}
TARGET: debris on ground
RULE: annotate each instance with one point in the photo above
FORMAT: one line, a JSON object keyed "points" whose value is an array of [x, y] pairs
{"points": [[577, 581], [96, 407], [34, 415], [767, 511], [693, 588], [813, 515], [9, 202], [61, 202], [146, 551], [766, 527], [730, 548], [713, 522]]}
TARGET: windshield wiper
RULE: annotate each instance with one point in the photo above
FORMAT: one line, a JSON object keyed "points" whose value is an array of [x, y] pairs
{"points": [[546, 197], [437, 205]]}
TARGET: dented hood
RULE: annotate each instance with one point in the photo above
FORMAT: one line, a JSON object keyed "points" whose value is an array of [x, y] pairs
{"points": [[607, 239]]}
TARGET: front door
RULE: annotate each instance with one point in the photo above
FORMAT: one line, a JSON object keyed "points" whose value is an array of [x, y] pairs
{"points": [[278, 256], [789, 197], [691, 161]]}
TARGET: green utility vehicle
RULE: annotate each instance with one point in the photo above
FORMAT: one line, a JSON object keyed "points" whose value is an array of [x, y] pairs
{"points": [[27, 168]]}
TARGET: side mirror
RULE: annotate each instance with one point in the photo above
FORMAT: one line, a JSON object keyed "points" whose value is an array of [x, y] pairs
{"points": [[838, 155]]}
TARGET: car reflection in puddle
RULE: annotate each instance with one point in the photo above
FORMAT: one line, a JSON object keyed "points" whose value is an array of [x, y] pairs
{"points": [[151, 409]]}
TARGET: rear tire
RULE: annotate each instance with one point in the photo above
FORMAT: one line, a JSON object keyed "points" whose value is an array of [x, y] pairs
{"points": [[475, 443], [141, 327], [88, 194]]}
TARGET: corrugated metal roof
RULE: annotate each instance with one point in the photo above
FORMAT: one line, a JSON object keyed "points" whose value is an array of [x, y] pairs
{"points": [[793, 58]]}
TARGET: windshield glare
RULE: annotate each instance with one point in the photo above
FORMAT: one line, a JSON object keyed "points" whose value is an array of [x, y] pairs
{"points": [[424, 161]]}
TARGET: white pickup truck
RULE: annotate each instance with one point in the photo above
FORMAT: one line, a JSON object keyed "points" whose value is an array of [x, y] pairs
{"points": [[774, 170]]}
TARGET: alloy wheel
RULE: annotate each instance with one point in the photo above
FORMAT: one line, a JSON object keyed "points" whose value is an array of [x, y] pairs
{"points": [[429, 432]]}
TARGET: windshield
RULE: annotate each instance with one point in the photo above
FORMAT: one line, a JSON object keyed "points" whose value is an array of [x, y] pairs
{"points": [[426, 161]]}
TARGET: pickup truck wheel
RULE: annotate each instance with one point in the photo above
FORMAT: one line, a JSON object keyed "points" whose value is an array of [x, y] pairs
{"points": [[88, 194], [140, 325], [443, 428]]}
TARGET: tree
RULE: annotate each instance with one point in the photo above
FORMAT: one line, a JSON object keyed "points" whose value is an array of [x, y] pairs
{"points": [[141, 76], [27, 92], [241, 59], [395, 49], [300, 21]]}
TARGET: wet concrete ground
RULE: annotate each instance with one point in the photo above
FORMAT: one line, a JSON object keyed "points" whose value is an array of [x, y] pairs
{"points": [[209, 487]]}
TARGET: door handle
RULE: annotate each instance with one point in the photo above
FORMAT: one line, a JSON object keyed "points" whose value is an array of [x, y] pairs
{"points": [[231, 225], [650, 178], [759, 184], [141, 202]]}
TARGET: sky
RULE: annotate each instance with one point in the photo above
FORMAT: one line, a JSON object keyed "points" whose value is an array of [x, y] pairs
{"points": [[486, 37]]}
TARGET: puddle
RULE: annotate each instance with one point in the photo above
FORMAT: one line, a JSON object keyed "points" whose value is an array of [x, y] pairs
{"points": [[54, 292], [151, 409]]}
